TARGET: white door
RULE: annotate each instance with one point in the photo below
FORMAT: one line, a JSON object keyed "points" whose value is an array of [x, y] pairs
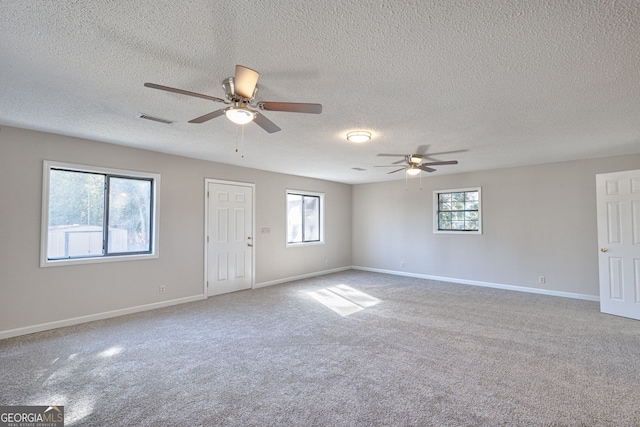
{"points": [[229, 237], [618, 199]]}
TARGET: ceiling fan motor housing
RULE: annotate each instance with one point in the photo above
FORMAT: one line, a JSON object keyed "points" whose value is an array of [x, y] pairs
{"points": [[229, 87]]}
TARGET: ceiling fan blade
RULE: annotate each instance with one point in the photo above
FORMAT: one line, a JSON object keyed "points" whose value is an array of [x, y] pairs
{"points": [[425, 168], [291, 107], [183, 92], [245, 81], [208, 116], [401, 169], [386, 166], [422, 149], [448, 162], [394, 155], [430, 155], [265, 123]]}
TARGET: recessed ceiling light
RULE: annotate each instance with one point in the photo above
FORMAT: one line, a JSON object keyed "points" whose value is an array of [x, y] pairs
{"points": [[359, 136]]}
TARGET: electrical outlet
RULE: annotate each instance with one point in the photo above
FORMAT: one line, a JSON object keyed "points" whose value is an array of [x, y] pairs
{"points": [[542, 279], [161, 289], [326, 263], [402, 264]]}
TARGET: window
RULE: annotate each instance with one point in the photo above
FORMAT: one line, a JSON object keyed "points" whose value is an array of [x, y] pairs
{"points": [[93, 214], [457, 211], [304, 217]]}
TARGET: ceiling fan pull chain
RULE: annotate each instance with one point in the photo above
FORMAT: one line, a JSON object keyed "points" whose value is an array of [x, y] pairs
{"points": [[240, 146], [237, 138], [242, 142]]}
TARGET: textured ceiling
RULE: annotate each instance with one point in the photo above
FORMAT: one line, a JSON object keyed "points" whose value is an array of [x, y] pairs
{"points": [[499, 83]]}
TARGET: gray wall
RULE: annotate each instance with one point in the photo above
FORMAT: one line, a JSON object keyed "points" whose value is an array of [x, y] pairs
{"points": [[30, 295], [537, 221]]}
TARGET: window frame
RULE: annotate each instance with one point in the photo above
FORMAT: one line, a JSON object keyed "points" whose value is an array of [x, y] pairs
{"points": [[49, 165], [321, 219], [436, 216]]}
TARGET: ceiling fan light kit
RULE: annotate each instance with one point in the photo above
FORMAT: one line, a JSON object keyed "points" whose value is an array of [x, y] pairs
{"points": [[239, 115], [413, 170], [240, 92], [359, 136]]}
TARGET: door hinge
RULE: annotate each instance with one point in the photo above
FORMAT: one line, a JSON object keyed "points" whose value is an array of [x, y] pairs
{"points": [[207, 239]]}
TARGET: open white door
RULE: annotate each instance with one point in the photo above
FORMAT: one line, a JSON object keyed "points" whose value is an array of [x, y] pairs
{"points": [[229, 237], [618, 200]]}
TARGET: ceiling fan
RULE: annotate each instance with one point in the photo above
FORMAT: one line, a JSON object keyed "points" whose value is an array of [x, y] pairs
{"points": [[414, 165], [240, 92]]}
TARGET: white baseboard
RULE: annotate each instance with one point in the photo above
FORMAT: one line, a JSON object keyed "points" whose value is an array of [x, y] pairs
{"points": [[90, 318], [304, 276], [484, 284]]}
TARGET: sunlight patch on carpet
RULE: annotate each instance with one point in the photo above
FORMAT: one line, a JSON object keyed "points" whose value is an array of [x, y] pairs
{"points": [[80, 410], [354, 295], [76, 410], [343, 299], [110, 352]]}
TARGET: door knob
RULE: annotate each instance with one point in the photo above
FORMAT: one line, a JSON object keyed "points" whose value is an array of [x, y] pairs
{"points": [[250, 245], [603, 249]]}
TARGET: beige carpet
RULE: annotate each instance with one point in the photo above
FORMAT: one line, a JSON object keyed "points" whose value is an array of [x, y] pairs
{"points": [[347, 349]]}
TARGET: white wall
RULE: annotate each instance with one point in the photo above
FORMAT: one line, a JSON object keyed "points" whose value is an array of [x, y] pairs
{"points": [[537, 221], [32, 297]]}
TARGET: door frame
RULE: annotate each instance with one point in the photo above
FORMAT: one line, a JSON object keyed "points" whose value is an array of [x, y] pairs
{"points": [[251, 185]]}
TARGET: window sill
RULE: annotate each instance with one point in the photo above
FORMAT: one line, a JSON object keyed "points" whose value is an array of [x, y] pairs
{"points": [[297, 245], [96, 260], [456, 232]]}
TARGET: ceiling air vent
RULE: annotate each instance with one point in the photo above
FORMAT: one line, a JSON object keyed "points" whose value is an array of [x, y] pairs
{"points": [[155, 119]]}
